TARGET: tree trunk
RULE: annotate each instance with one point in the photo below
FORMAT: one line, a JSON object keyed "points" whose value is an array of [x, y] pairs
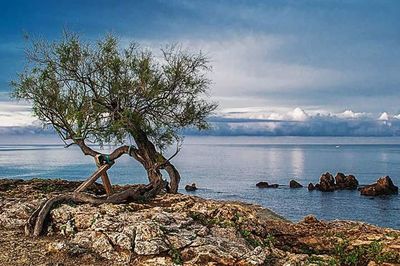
{"points": [[152, 158], [174, 177], [36, 222]]}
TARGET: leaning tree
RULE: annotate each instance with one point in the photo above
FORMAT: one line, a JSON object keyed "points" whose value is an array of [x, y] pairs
{"points": [[101, 93]]}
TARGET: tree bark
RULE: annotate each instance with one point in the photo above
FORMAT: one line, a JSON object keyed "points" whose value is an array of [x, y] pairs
{"points": [[149, 154], [174, 177]]}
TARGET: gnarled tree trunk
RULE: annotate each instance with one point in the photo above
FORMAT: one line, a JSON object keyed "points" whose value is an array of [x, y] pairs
{"points": [[145, 153], [153, 161], [174, 177]]}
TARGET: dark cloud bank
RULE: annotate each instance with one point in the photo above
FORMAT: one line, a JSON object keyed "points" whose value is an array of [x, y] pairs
{"points": [[358, 124], [316, 126]]}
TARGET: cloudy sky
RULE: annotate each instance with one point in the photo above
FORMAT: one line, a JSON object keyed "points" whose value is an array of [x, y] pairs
{"points": [[279, 67]]}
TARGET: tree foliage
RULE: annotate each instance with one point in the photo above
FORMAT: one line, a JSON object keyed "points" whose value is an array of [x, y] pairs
{"points": [[103, 93]]}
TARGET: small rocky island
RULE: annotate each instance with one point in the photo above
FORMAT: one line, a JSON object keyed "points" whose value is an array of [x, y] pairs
{"points": [[327, 183], [175, 229]]}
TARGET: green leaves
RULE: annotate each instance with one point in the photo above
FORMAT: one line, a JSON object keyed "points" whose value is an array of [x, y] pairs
{"points": [[104, 93]]}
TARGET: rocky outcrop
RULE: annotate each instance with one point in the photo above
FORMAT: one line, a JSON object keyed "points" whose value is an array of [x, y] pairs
{"points": [[346, 182], [383, 186], [191, 187], [176, 229], [264, 184], [294, 184], [326, 183], [329, 184]]}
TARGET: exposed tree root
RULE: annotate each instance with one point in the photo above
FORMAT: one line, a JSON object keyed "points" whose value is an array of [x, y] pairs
{"points": [[35, 224]]}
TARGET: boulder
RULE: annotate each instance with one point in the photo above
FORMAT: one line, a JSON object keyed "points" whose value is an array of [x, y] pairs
{"points": [[264, 184], [310, 219], [191, 187], [351, 182], [327, 182], [346, 182], [340, 179], [383, 186], [294, 184]]}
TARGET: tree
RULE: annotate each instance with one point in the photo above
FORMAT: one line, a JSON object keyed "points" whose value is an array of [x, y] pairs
{"points": [[100, 93]]}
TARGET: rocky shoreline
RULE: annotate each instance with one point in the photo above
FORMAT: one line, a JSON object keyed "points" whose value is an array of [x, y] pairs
{"points": [[176, 229]]}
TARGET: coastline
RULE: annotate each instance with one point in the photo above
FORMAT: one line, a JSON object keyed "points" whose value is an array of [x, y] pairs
{"points": [[176, 229], [234, 178]]}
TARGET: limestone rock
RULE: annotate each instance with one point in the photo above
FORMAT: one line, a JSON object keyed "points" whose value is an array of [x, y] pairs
{"points": [[191, 187], [326, 183], [383, 186], [346, 182], [264, 184], [309, 219], [294, 184], [149, 239]]}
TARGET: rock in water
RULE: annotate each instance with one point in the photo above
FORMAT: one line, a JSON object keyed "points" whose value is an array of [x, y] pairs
{"points": [[294, 184], [262, 184], [346, 182], [327, 182], [383, 186], [352, 182], [191, 187], [340, 179]]}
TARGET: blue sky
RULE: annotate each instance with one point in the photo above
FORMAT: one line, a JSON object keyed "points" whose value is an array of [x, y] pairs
{"points": [[309, 66]]}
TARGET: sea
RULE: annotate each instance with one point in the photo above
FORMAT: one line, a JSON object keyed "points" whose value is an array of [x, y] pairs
{"points": [[228, 168]]}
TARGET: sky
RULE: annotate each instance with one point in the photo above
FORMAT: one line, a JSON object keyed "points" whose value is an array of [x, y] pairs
{"points": [[318, 68]]}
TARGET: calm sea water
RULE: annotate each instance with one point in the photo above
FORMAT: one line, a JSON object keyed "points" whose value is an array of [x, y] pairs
{"points": [[229, 167]]}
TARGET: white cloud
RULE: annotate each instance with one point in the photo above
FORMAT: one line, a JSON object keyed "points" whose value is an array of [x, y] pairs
{"points": [[298, 114], [299, 122], [352, 115], [283, 70], [246, 66], [384, 117], [16, 115]]}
